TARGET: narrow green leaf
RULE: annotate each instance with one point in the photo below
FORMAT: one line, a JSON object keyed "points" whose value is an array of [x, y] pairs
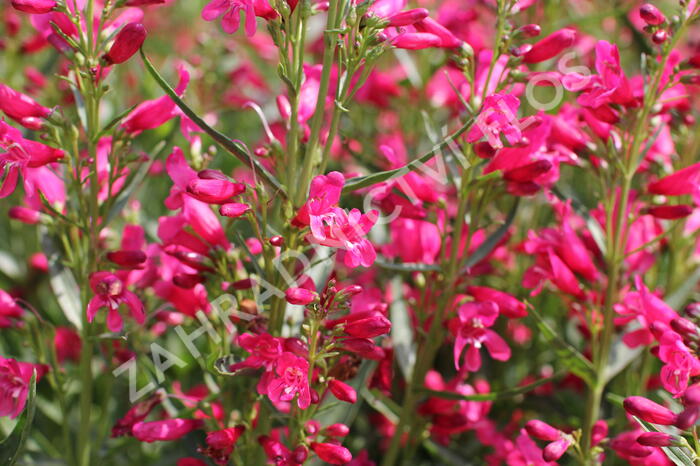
{"points": [[680, 456], [499, 395], [115, 121], [360, 182], [11, 453], [405, 267], [402, 330], [235, 148], [569, 355], [62, 281], [492, 241]]}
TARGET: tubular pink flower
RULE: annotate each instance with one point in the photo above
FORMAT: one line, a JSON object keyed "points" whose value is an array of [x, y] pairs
{"points": [[290, 378], [332, 453], [126, 43], [165, 430], [15, 377], [550, 46], [110, 292], [35, 7], [300, 296], [342, 391], [22, 108], [649, 411]]}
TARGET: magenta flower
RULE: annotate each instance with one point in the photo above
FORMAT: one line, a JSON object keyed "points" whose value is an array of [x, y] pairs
{"points": [[22, 108], [289, 380], [10, 311], [110, 292], [324, 194], [14, 385], [470, 330], [165, 430], [680, 363], [126, 43], [264, 351], [498, 115], [346, 231], [231, 9]]}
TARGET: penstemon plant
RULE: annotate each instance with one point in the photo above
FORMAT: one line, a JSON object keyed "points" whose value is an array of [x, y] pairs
{"points": [[353, 232]]}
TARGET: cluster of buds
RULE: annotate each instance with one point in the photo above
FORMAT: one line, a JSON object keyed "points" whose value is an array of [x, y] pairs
{"points": [[655, 22]]}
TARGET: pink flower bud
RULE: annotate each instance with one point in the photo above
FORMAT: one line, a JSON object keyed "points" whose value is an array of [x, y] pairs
{"points": [[551, 46], [195, 260], [187, 281], [233, 209], [555, 450], [209, 174], [165, 430], [651, 15], [342, 391], [416, 41], [300, 296], [687, 418], [337, 430], [541, 430], [669, 212], [408, 17], [530, 30], [691, 396], [277, 241], [300, 454], [528, 172], [22, 108], [507, 304], [39, 262], [649, 411], [224, 438], [127, 258], [684, 327], [364, 347], [659, 37], [24, 214], [36, 7], [368, 327], [656, 439], [447, 39], [599, 432], [214, 191], [680, 183], [126, 43], [331, 453]]}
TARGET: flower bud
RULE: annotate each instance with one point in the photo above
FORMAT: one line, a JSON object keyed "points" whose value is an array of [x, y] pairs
{"points": [[300, 454], [507, 304], [342, 391], [337, 430], [555, 450], [416, 41], [649, 411], [234, 209], [24, 214], [542, 431], [363, 347], [408, 17], [691, 396], [656, 439], [687, 418], [651, 15], [35, 7], [214, 191], [551, 46], [528, 172], [669, 212], [187, 281], [529, 30], [369, 327], [300, 296], [659, 37], [684, 327], [127, 258], [195, 260], [331, 453], [224, 438], [126, 43], [277, 241]]}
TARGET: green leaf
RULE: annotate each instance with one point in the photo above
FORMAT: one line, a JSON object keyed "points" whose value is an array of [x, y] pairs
{"points": [[360, 182], [499, 395], [680, 456], [115, 121], [566, 353], [235, 148], [407, 267], [492, 241], [402, 330], [62, 282], [10, 453]]}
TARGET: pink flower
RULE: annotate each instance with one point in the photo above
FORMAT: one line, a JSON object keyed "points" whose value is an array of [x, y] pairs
{"points": [[22, 108], [680, 363], [290, 378], [648, 411], [10, 311], [230, 9], [507, 304], [551, 46], [34, 6], [15, 377], [470, 329], [110, 292], [264, 351], [332, 453], [679, 183], [498, 115], [68, 344], [342, 391], [165, 430], [153, 113], [300, 296], [324, 194], [346, 231]]}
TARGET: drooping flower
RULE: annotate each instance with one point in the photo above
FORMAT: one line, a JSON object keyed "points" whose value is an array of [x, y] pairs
{"points": [[498, 116], [126, 43], [470, 329], [22, 108], [15, 378], [165, 430], [231, 9], [110, 292]]}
